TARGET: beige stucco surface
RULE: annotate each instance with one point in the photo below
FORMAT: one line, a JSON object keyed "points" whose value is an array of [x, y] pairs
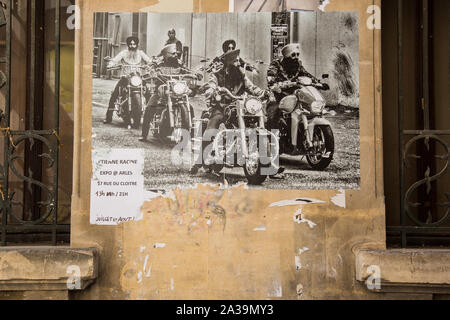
{"points": [[189, 248]]}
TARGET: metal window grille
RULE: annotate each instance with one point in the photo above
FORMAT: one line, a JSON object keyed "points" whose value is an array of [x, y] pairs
{"points": [[424, 208], [35, 212]]}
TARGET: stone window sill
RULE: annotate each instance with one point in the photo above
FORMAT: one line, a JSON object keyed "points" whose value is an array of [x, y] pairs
{"points": [[47, 269], [406, 270]]}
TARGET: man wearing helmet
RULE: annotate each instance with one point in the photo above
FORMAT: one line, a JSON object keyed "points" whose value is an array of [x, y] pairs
{"points": [[288, 68], [131, 56]]}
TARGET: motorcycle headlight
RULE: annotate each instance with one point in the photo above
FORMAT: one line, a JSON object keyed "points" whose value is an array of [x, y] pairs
{"points": [[135, 81], [253, 106], [317, 106], [180, 88]]}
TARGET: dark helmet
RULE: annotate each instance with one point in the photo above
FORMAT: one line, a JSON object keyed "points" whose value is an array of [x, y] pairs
{"points": [[226, 44]]}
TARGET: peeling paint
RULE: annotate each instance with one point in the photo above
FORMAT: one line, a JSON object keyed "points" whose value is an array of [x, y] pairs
{"points": [[298, 263], [299, 218], [323, 5], [339, 199], [295, 202], [172, 284], [276, 291], [159, 245], [149, 271], [300, 290], [261, 228]]}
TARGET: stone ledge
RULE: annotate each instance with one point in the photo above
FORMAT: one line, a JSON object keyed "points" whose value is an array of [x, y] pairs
{"points": [[407, 270], [46, 268]]}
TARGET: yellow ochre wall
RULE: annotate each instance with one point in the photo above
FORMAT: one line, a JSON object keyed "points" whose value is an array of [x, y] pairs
{"points": [[251, 250]]}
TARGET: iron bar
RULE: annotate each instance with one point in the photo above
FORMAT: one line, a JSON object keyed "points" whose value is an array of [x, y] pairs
{"points": [[7, 118], [400, 114], [41, 227], [427, 132], [416, 229], [57, 89], [425, 64]]}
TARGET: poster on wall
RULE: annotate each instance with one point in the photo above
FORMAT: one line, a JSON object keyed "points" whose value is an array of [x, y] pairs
{"points": [[279, 39], [268, 106]]}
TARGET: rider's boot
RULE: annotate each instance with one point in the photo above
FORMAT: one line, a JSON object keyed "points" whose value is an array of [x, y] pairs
{"points": [[294, 151], [195, 168]]}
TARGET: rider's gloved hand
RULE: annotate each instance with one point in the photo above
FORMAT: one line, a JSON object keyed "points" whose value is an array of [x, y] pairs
{"points": [[209, 93], [276, 88], [269, 94]]}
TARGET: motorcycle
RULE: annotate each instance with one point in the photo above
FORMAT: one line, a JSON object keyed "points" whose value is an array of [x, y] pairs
{"points": [[132, 99], [302, 123], [174, 113], [242, 139]]}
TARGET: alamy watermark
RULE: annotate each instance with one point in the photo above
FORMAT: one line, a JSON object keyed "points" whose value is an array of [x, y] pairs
{"points": [[373, 282]]}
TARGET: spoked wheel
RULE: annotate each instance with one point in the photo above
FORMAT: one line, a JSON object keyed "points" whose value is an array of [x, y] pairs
{"points": [[173, 136], [252, 166], [322, 152], [136, 110]]}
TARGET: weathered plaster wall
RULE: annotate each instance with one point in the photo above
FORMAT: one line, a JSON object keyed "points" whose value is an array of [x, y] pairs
{"points": [[208, 243]]}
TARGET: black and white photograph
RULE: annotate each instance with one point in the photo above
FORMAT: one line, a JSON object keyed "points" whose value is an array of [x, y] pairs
{"points": [[269, 100]]}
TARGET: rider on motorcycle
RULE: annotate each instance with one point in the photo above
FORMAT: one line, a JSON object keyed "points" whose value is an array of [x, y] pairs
{"points": [[232, 78], [288, 68], [230, 45], [131, 56], [171, 62]]}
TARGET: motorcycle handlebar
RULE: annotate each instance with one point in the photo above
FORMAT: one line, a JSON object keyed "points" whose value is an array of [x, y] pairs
{"points": [[228, 92], [297, 83], [120, 66]]}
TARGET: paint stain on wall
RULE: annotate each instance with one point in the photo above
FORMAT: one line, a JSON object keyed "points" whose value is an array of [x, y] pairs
{"points": [[350, 22], [343, 74]]}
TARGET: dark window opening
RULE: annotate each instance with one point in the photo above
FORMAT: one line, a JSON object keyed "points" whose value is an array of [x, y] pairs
{"points": [[416, 120]]}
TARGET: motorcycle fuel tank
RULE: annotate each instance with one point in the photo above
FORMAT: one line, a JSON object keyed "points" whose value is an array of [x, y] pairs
{"points": [[307, 95]]}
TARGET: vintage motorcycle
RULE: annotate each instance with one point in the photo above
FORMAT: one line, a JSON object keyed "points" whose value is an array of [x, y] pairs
{"points": [[242, 139], [132, 99], [174, 112], [302, 122]]}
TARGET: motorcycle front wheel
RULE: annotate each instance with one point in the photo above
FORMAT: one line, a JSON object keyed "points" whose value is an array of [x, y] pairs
{"points": [[252, 168], [136, 110], [321, 155]]}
